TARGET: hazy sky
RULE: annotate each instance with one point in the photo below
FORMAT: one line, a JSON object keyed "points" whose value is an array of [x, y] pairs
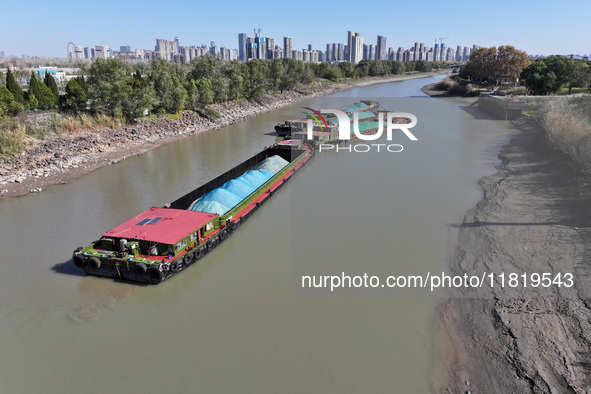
{"points": [[544, 27]]}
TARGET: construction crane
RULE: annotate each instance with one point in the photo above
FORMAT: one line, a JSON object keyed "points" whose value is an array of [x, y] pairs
{"points": [[440, 40]]}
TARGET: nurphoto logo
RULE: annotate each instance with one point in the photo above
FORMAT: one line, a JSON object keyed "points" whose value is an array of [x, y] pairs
{"points": [[331, 134]]}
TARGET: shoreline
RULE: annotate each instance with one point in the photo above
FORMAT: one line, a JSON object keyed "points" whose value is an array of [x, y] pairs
{"points": [[532, 219], [60, 159]]}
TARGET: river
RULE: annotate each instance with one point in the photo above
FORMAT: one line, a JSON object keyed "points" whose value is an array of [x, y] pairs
{"points": [[239, 320]]}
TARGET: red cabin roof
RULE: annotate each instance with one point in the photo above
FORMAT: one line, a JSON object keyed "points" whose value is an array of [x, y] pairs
{"points": [[290, 142], [161, 225]]}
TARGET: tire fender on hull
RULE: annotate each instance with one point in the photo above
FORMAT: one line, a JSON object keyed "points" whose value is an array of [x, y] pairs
{"points": [[78, 260], [141, 268], [155, 274], [94, 263]]}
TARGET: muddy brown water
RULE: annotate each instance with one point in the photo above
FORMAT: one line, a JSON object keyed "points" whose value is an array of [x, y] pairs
{"points": [[239, 320]]}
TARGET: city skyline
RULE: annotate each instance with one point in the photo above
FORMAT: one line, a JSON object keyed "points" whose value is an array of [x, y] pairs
{"points": [[525, 25]]}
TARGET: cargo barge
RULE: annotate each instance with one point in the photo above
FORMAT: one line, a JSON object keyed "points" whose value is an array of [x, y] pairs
{"points": [[161, 242], [364, 108]]}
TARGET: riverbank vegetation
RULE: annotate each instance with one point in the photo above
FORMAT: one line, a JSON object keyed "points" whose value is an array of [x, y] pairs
{"points": [[112, 92], [509, 70], [567, 123]]}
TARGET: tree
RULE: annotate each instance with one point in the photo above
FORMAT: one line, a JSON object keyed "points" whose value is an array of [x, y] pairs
{"points": [[511, 61], [348, 69], [14, 87], [109, 83], [82, 83], [140, 98], [362, 67], [168, 88], [255, 74], [291, 74], [32, 100], [205, 91], [231, 71], [547, 75], [276, 71], [49, 81], [396, 67], [8, 105], [581, 76], [75, 95], [423, 66], [490, 64], [40, 91]]}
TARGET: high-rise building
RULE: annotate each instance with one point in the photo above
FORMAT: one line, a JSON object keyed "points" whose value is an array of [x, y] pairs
{"points": [[249, 48], [242, 47], [261, 52], [340, 52], [287, 51], [329, 52], [78, 52], [356, 48], [400, 54], [166, 49], [270, 48], [348, 51], [101, 51], [382, 50]]}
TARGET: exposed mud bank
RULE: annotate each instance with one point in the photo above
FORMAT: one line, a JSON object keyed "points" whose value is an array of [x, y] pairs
{"points": [[534, 218]]}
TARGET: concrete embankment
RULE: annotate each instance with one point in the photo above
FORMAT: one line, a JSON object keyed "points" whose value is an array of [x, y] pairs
{"points": [[503, 107]]}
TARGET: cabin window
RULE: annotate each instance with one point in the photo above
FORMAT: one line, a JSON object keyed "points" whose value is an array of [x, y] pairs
{"points": [[193, 236], [209, 226], [107, 244], [181, 244], [153, 251]]}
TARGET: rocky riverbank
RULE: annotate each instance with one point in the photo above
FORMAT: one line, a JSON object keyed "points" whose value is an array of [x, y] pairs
{"points": [[533, 219], [60, 158]]}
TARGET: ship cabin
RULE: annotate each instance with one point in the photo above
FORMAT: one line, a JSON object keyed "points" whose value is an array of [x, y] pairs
{"points": [[320, 137], [158, 233], [291, 144]]}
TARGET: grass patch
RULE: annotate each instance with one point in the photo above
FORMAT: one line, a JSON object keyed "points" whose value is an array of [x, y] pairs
{"points": [[567, 122], [82, 123], [12, 138], [176, 116]]}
